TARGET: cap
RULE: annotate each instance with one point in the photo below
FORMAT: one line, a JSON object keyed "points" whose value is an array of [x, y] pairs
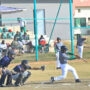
{"points": [[58, 38]]}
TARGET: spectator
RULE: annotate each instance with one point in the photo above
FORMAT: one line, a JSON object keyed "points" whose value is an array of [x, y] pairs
{"points": [[3, 46], [42, 43], [22, 24], [25, 38], [15, 44], [17, 35]]}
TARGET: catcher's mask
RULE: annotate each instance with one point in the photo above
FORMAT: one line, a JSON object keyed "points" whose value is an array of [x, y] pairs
{"points": [[63, 48]]}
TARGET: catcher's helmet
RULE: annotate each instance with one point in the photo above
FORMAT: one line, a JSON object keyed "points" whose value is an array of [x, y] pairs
{"points": [[24, 62], [63, 48]]}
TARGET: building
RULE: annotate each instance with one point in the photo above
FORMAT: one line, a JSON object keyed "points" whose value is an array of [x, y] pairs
{"points": [[81, 14], [47, 9]]}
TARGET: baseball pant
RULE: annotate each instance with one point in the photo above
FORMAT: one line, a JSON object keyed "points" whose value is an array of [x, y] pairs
{"points": [[21, 77], [3, 77], [65, 68], [80, 51], [58, 62]]}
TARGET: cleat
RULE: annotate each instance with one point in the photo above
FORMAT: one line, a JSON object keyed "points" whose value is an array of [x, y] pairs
{"points": [[9, 85], [17, 85], [77, 81], [2, 85], [58, 68], [52, 79]]}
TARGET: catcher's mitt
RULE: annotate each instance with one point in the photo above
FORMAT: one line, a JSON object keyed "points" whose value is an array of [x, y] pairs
{"points": [[77, 56], [43, 68]]}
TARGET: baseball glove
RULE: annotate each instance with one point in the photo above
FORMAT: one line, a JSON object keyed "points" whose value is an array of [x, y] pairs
{"points": [[43, 68]]}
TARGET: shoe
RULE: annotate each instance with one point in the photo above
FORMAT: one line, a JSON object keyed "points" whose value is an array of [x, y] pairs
{"points": [[77, 81], [9, 85], [58, 68], [17, 85], [2, 86], [52, 79]]}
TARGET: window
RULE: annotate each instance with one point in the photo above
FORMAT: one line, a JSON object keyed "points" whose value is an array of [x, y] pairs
{"points": [[88, 21], [79, 10], [41, 30], [80, 22]]}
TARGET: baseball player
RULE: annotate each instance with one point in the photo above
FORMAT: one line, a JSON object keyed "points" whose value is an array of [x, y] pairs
{"points": [[20, 73], [4, 62], [58, 48], [80, 43], [65, 67]]}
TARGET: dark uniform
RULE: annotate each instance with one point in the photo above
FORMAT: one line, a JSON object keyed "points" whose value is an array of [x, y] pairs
{"points": [[20, 74], [4, 62]]}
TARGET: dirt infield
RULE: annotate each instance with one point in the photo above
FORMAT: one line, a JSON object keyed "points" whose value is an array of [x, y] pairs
{"points": [[60, 85], [40, 80]]}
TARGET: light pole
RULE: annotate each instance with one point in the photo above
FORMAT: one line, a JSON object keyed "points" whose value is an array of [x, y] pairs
{"points": [[71, 25], [35, 27]]}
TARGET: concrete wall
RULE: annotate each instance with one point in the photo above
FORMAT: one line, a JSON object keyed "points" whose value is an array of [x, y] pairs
{"points": [[62, 27]]}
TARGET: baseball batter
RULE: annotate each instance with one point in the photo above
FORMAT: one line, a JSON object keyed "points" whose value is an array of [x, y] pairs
{"points": [[65, 67]]}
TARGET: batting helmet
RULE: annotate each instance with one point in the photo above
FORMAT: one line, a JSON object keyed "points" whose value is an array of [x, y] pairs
{"points": [[24, 62], [63, 48]]}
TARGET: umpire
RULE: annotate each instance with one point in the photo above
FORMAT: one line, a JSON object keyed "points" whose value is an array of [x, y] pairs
{"points": [[4, 63]]}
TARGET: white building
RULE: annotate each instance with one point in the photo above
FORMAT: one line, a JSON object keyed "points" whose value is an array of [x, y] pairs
{"points": [[82, 15]]}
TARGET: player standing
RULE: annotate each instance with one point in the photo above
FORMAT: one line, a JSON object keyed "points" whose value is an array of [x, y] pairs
{"points": [[80, 43], [58, 48]]}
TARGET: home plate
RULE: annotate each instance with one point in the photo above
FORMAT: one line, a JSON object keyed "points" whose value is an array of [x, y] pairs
{"points": [[65, 84], [89, 85], [46, 82]]}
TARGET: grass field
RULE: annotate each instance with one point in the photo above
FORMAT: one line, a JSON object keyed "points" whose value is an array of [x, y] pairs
{"points": [[40, 80]]}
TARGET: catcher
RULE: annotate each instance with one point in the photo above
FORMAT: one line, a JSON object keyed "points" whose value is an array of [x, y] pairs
{"points": [[65, 67], [20, 73]]}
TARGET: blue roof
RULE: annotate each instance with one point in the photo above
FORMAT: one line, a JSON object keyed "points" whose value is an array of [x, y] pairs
{"points": [[5, 10]]}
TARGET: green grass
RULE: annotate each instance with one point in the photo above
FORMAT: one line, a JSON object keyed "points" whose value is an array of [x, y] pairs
{"points": [[32, 57], [51, 56]]}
